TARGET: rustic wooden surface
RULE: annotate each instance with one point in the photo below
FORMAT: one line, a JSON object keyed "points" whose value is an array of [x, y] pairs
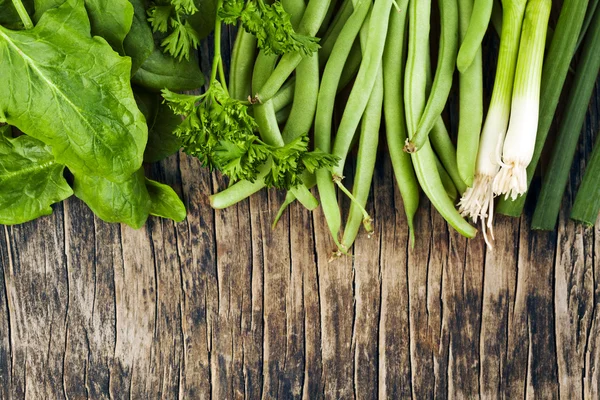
{"points": [[220, 306]]}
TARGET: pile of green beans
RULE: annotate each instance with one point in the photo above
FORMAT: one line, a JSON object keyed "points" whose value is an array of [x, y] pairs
{"points": [[373, 76]]}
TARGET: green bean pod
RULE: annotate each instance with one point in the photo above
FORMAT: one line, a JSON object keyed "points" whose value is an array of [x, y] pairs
{"points": [[444, 148], [304, 106], [325, 105], [446, 181], [471, 42], [365, 80], [242, 64], [470, 104], [424, 161], [395, 120], [365, 163], [316, 11], [442, 82]]}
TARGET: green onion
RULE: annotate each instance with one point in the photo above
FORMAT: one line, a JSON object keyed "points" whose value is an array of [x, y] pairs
{"points": [[478, 201], [557, 175], [519, 142], [556, 67], [587, 202]]}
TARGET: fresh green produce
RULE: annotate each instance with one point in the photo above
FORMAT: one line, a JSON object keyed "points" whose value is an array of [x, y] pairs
{"points": [[587, 202], [557, 173], [70, 97], [556, 66]]}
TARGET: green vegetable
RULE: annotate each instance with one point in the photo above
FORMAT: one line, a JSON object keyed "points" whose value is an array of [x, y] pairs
{"points": [[30, 179], [587, 202], [127, 202], [9, 17], [164, 202], [471, 42], [92, 123], [139, 42], [470, 104], [557, 172], [160, 71], [556, 67]]}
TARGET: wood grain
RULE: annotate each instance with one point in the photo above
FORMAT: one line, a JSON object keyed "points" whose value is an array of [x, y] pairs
{"points": [[223, 306]]}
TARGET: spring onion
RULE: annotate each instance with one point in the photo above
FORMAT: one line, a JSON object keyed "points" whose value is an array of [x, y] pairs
{"points": [[519, 142], [557, 173], [587, 201], [556, 67], [478, 201]]}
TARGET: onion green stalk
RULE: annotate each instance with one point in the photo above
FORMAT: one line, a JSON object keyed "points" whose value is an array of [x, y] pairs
{"points": [[519, 143], [557, 173], [556, 67], [478, 201], [587, 202]]}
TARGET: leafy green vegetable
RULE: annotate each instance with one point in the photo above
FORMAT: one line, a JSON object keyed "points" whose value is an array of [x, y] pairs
{"points": [[162, 123], [110, 19], [30, 179], [72, 92], [218, 130], [161, 71], [127, 202], [139, 42], [204, 20], [165, 202], [270, 24], [170, 17]]}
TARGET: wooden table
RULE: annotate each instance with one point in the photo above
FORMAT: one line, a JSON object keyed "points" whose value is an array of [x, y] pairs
{"points": [[221, 306]]}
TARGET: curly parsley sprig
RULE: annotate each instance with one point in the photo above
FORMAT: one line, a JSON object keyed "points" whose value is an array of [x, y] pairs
{"points": [[171, 17], [219, 132], [270, 24]]}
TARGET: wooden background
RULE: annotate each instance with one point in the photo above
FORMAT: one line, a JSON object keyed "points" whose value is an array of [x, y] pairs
{"points": [[220, 306]]}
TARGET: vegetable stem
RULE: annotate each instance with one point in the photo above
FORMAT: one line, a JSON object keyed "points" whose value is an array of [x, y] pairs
{"points": [[587, 202], [557, 174], [554, 73], [25, 18]]}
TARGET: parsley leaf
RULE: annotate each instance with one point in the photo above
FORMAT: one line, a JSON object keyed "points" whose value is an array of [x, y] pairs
{"points": [[271, 25]]}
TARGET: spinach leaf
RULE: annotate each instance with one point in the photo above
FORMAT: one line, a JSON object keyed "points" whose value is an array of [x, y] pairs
{"points": [[161, 71], [162, 122], [127, 202], [139, 42], [30, 179], [73, 93], [165, 202], [110, 19], [204, 20]]}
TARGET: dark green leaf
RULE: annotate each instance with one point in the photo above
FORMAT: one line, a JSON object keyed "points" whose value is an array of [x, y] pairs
{"points": [[161, 71], [72, 92], [161, 139], [127, 202], [30, 179], [110, 19], [204, 20], [139, 42], [165, 202]]}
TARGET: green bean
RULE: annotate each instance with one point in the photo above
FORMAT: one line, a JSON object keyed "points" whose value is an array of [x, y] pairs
{"points": [[240, 190], [414, 95], [365, 164], [323, 119], [471, 43], [305, 99], [352, 66], [364, 82], [442, 82], [310, 181], [242, 63], [311, 21], [264, 113], [393, 107], [283, 114], [496, 18], [285, 96], [333, 32], [330, 18], [444, 148], [470, 105], [446, 181]]}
